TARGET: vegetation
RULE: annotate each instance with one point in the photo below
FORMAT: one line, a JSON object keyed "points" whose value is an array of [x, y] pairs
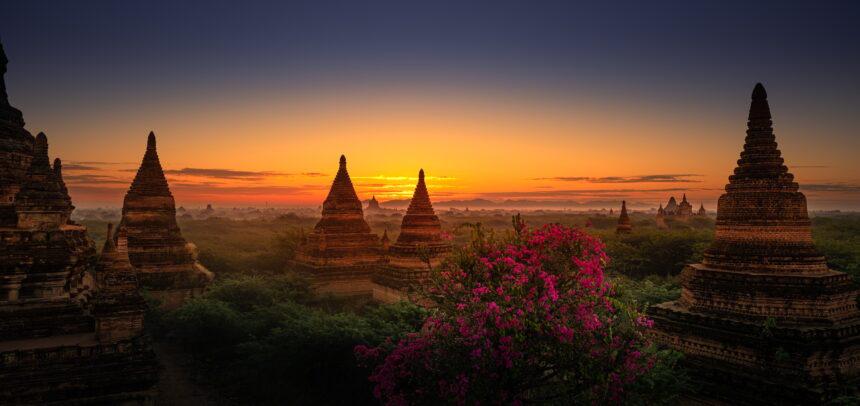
{"points": [[259, 336], [525, 319], [260, 341]]}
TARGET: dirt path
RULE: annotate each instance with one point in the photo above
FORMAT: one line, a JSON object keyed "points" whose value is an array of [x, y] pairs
{"points": [[175, 383]]}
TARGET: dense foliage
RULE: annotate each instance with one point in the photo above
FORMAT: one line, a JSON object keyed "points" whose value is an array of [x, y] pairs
{"points": [[528, 319], [260, 341]]}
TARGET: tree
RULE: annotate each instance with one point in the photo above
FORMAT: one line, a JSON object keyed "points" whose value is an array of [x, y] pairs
{"points": [[528, 319]]}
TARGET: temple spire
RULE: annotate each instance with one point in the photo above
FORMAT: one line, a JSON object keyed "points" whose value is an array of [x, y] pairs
{"points": [[109, 243], [624, 225], [759, 108], [4, 98], [150, 180]]}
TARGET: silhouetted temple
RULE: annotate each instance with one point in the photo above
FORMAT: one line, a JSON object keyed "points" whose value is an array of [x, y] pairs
{"points": [[166, 264], [762, 320], [419, 248], [341, 253], [373, 204], [55, 347], [624, 225]]}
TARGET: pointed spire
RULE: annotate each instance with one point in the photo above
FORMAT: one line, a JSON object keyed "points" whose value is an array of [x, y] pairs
{"points": [[420, 203], [759, 108], [58, 175], [343, 162], [623, 220], [150, 180], [4, 98], [684, 199], [109, 246]]}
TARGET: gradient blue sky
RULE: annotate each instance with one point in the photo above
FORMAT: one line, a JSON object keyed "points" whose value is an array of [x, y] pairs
{"points": [[98, 75]]}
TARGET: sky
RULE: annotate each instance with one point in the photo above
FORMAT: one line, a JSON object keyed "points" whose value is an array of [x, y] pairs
{"points": [[576, 104]]}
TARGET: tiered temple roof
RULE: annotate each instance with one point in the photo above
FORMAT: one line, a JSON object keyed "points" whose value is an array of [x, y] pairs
{"points": [[50, 351], [420, 245], [762, 319], [341, 252], [624, 225], [165, 262]]}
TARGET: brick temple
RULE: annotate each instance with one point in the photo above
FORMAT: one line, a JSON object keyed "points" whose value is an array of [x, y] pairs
{"points": [[624, 226], [64, 339], [763, 320], [419, 248], [166, 263], [341, 254]]}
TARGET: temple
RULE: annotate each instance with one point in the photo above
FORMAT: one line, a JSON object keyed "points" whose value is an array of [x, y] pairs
{"points": [[762, 319], [53, 348], [624, 226], [661, 218], [419, 248], [166, 264], [373, 204], [341, 254]]}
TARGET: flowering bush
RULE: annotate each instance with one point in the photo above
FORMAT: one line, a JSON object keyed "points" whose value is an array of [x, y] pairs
{"points": [[527, 319]]}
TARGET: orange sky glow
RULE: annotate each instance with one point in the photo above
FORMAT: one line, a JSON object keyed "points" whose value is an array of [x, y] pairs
{"points": [[281, 148]]}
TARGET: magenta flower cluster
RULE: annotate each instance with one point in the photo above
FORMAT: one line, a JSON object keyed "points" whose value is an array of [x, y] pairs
{"points": [[531, 319]]}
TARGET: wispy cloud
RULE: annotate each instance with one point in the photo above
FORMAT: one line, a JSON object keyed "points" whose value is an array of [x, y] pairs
{"points": [[218, 173], [580, 192], [87, 179], [809, 166], [658, 178], [75, 167], [831, 187]]}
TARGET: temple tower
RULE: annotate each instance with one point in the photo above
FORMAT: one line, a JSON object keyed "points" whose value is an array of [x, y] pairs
{"points": [[420, 247], [762, 320], [50, 351], [661, 218], [16, 150], [166, 264], [117, 304], [624, 226], [341, 253]]}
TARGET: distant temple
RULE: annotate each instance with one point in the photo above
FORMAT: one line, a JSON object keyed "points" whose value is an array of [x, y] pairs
{"points": [[166, 264], [680, 211], [341, 254], [420, 247], [67, 336], [762, 319], [373, 204], [624, 226]]}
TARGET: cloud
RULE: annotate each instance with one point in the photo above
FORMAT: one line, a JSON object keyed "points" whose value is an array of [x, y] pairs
{"points": [[79, 167], [831, 187], [218, 173], [313, 174], [86, 179], [582, 192], [659, 178], [810, 166]]}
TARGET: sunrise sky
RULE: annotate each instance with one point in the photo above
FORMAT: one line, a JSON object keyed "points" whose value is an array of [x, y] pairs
{"points": [[586, 104]]}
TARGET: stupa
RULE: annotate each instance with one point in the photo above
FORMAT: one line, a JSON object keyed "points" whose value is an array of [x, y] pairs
{"points": [[166, 264], [373, 204], [702, 211], [661, 218], [50, 349], [341, 253], [419, 248], [762, 320], [624, 226]]}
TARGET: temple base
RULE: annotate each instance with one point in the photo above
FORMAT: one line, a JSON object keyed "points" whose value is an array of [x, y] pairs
{"points": [[739, 362]]}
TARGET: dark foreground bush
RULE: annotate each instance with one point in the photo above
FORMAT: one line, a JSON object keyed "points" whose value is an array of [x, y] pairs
{"points": [[256, 340]]}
